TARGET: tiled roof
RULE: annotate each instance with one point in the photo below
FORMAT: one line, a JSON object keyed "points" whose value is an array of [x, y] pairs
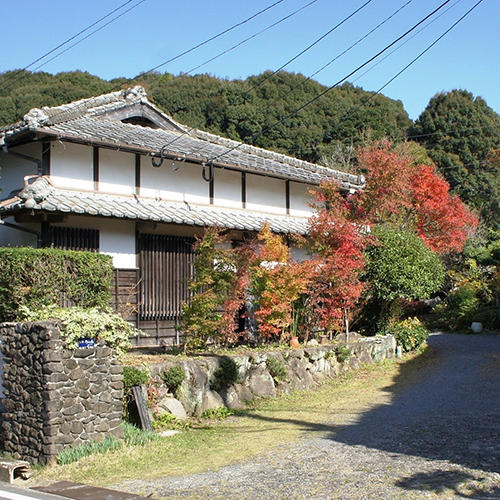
{"points": [[91, 120], [42, 196]]}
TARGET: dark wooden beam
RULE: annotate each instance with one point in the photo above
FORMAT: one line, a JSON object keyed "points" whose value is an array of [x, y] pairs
{"points": [[44, 234], [287, 196], [243, 189], [96, 168], [211, 188], [46, 158], [137, 173]]}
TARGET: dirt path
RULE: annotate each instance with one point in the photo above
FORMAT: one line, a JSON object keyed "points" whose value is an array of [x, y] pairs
{"points": [[437, 438]]}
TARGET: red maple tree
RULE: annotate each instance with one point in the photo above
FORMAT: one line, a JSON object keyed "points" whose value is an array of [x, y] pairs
{"points": [[443, 221], [337, 244]]}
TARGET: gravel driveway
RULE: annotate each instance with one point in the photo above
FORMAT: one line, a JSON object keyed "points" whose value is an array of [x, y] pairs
{"points": [[438, 438]]}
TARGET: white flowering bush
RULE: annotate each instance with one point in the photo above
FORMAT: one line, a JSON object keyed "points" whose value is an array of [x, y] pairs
{"points": [[81, 323]]}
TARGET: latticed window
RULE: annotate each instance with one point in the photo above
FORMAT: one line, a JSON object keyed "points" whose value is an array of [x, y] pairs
{"points": [[73, 238], [166, 266]]}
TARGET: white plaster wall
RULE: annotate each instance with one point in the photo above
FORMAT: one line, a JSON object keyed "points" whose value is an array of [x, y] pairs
{"points": [[185, 184], [227, 188], [10, 237], [116, 171], [265, 194], [71, 165], [300, 198], [116, 238], [13, 170]]}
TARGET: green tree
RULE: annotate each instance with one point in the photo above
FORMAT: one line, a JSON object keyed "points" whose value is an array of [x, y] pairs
{"points": [[458, 131], [400, 266]]}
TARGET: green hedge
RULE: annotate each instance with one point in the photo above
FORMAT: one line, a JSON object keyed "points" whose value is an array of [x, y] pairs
{"points": [[38, 277]]}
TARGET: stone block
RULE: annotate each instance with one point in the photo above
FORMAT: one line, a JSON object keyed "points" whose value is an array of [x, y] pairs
{"points": [[72, 410], [52, 367], [261, 383], [211, 400], [76, 374], [171, 405]]}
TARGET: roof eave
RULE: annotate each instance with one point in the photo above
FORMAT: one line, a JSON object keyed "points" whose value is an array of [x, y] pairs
{"points": [[172, 156]]}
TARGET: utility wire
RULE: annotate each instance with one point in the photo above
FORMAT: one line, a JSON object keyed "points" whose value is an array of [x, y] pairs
{"points": [[321, 94], [81, 40], [309, 47], [66, 41], [178, 55], [331, 61], [251, 36], [90, 34], [227, 30], [366, 100], [245, 95], [190, 129], [415, 59], [338, 56], [406, 41]]}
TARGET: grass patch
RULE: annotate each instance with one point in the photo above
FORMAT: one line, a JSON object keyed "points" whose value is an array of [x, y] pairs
{"points": [[260, 427], [217, 413], [132, 436]]}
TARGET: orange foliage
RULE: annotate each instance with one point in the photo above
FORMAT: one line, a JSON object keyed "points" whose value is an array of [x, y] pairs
{"points": [[443, 221]]}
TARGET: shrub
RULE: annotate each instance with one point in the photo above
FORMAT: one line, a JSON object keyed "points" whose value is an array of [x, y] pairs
{"points": [[277, 369], [410, 333], [133, 376], [225, 375], [40, 277], [169, 421], [343, 353], [214, 276], [173, 378], [399, 266], [80, 323]]}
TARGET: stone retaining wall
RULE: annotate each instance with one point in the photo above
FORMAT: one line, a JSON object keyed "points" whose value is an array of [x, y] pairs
{"points": [[55, 397], [305, 369]]}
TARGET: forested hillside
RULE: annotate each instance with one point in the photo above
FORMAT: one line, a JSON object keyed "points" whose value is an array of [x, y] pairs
{"points": [[232, 108]]}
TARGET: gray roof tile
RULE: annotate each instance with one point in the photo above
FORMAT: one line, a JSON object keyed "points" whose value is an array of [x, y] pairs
{"points": [[88, 120], [42, 196]]}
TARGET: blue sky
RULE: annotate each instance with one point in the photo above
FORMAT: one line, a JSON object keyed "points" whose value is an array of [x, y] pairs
{"points": [[159, 29]]}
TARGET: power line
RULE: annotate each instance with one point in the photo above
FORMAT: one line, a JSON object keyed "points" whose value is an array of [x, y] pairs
{"points": [[415, 59], [321, 94], [349, 48], [310, 46], [406, 41], [358, 41], [227, 30], [190, 129], [366, 100], [91, 33], [67, 41], [117, 87], [251, 36]]}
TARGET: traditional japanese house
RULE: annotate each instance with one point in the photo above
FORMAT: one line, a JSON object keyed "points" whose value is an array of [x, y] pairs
{"points": [[114, 174]]}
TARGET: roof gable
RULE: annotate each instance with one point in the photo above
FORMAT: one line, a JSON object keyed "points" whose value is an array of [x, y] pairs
{"points": [[127, 120]]}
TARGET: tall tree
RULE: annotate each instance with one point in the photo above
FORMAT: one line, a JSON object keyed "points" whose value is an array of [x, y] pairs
{"points": [[458, 130]]}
